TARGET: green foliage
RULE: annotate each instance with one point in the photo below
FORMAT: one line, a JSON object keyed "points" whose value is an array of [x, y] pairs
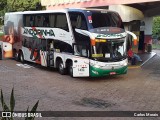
{"points": [[3, 4], [156, 46], [156, 26], [3, 9], [18, 5], [22, 5], [12, 105], [12, 101]]}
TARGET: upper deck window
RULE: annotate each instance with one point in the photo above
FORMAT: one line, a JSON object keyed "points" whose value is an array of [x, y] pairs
{"points": [[61, 21], [105, 19], [51, 20], [78, 20]]}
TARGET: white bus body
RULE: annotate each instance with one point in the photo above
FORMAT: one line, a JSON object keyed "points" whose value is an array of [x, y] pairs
{"points": [[81, 42]]}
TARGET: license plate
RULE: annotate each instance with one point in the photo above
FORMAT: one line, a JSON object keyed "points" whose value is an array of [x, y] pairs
{"points": [[112, 73]]}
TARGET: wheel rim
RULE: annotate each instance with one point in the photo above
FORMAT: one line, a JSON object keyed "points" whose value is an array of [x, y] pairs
{"points": [[61, 67], [21, 57], [16, 56]]}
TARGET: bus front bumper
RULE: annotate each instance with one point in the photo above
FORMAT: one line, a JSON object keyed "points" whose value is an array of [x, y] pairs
{"points": [[98, 72]]}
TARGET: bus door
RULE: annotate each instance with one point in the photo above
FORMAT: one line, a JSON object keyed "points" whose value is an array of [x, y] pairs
{"points": [[81, 61], [44, 52], [43, 55], [47, 53]]}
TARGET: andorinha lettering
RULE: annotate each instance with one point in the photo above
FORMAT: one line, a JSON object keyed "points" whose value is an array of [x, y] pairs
{"points": [[44, 32], [109, 35]]}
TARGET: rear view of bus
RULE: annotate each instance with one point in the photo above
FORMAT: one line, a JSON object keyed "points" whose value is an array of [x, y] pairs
{"points": [[108, 54]]}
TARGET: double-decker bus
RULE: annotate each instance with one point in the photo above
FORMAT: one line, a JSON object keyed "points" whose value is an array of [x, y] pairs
{"points": [[80, 42]]}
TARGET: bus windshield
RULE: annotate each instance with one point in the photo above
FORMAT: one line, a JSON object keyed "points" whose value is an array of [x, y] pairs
{"points": [[105, 19], [109, 50]]}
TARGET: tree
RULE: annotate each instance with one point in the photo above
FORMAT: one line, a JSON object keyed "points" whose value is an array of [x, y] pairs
{"points": [[3, 4], [156, 26], [18, 5], [22, 5]]}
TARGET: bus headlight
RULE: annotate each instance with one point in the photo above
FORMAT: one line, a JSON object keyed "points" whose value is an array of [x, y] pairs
{"points": [[124, 64]]}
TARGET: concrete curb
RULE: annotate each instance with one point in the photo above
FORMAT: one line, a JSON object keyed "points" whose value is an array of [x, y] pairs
{"points": [[134, 67]]}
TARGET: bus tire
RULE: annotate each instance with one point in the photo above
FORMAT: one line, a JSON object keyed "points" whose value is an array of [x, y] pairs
{"points": [[61, 68], [21, 57], [70, 69], [0, 52], [15, 55]]}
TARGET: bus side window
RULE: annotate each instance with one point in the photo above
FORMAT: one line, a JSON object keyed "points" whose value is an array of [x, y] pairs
{"points": [[43, 44], [39, 20], [26, 42], [28, 21], [78, 20], [31, 22], [81, 24], [52, 20], [80, 50], [46, 21], [61, 22]]}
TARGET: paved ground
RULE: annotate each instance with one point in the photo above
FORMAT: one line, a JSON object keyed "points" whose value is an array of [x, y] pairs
{"points": [[138, 90]]}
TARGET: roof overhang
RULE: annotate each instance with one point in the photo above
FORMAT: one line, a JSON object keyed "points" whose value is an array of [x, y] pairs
{"points": [[149, 9], [127, 13], [59, 4]]}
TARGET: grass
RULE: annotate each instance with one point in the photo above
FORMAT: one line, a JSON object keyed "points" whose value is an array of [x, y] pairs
{"points": [[1, 34], [156, 46]]}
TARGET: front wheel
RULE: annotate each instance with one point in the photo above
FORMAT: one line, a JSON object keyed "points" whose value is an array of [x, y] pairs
{"points": [[70, 69], [61, 68]]}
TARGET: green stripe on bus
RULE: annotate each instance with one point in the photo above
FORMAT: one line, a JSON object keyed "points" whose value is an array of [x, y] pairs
{"points": [[98, 72]]}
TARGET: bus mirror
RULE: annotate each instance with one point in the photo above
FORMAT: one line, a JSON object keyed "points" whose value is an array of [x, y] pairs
{"points": [[93, 42], [134, 37], [135, 42]]}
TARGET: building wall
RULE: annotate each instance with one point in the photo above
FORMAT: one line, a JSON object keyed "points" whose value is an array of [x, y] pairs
{"points": [[148, 25], [59, 4], [148, 30], [128, 14]]}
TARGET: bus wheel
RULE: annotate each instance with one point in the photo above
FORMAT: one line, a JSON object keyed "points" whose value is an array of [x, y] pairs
{"points": [[21, 57], [15, 55], [70, 69], [61, 68]]}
